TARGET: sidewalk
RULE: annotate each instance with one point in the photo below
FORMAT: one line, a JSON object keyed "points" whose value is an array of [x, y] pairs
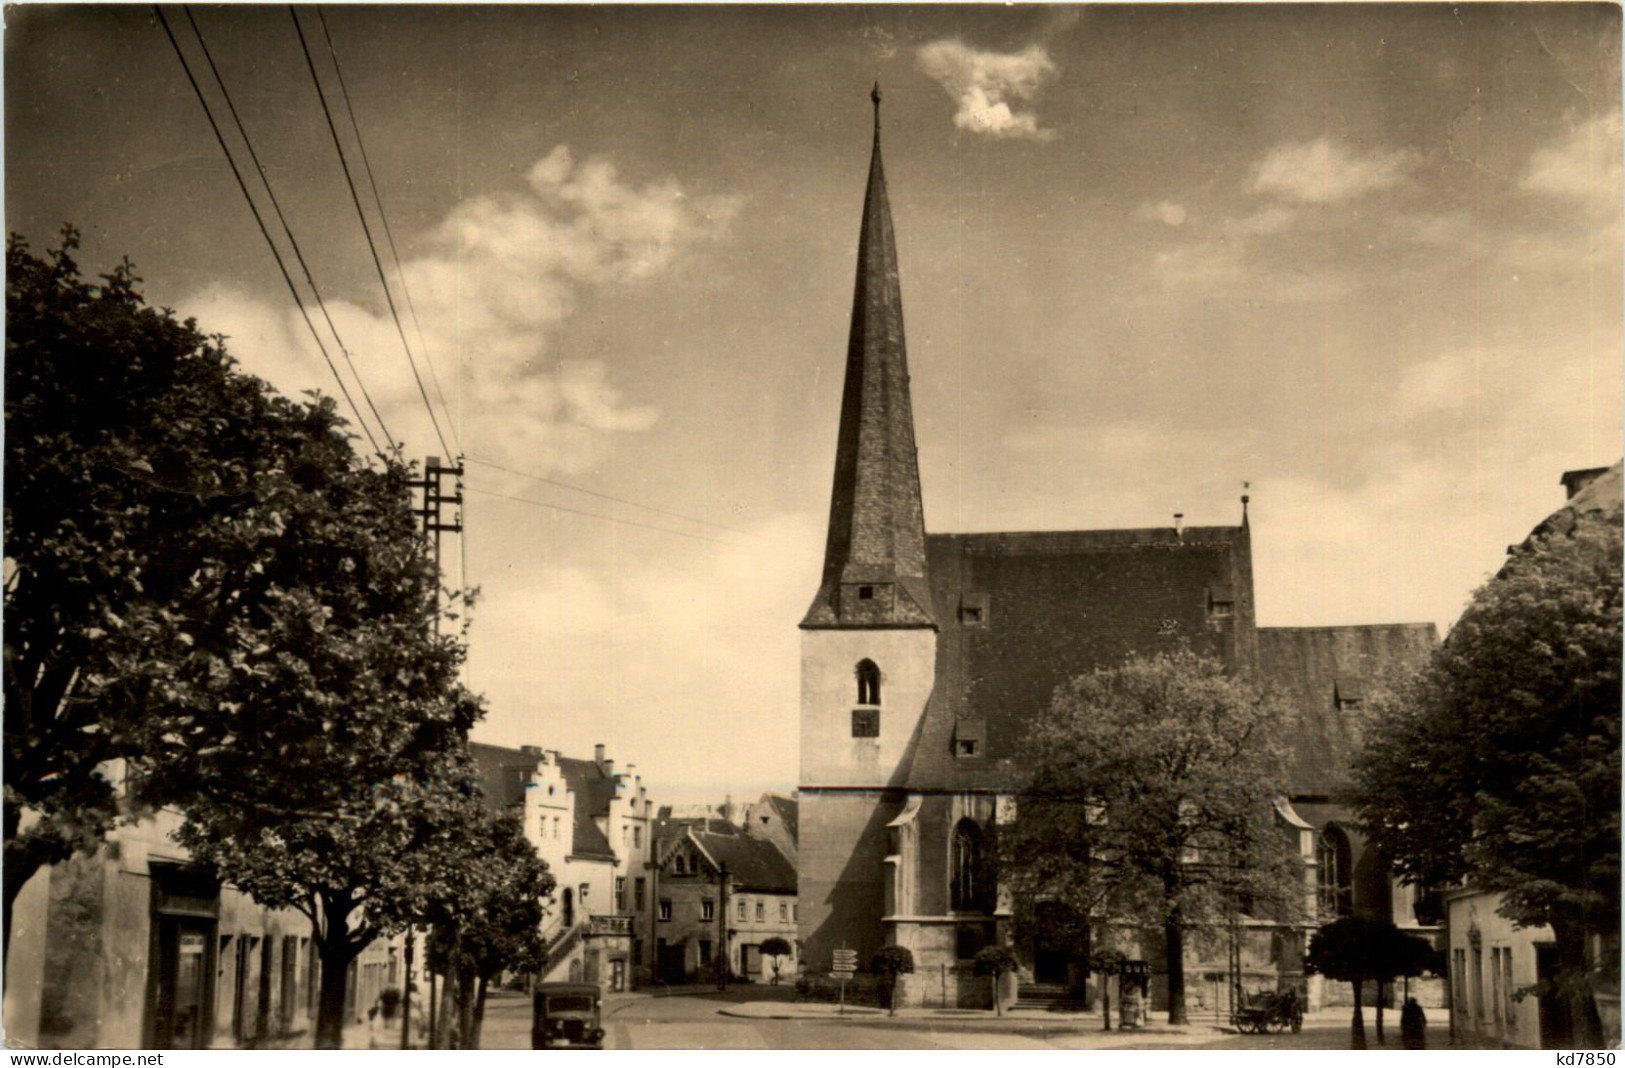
{"points": [[1081, 1030]]}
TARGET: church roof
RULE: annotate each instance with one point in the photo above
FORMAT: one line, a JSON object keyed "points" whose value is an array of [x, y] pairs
{"points": [[876, 535], [1325, 674], [1021, 613]]}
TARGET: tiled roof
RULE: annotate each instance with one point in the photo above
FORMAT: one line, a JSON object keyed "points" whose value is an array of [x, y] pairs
{"points": [[1055, 605], [789, 810], [1318, 671], [503, 772], [593, 790], [876, 520], [754, 863]]}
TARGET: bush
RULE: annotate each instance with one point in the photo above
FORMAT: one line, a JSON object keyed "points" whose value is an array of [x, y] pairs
{"points": [[860, 990], [389, 1003]]}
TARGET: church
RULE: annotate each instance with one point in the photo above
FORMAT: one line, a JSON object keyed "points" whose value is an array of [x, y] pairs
{"points": [[923, 657]]}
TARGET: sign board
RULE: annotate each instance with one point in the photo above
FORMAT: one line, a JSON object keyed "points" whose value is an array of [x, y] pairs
{"points": [[846, 960]]}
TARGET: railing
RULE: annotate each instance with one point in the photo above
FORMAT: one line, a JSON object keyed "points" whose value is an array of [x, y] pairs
{"points": [[610, 926], [561, 946]]}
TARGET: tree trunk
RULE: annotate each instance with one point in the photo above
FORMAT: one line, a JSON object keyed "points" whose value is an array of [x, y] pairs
{"points": [[1174, 935], [466, 984], [1574, 975], [336, 954], [1106, 1001], [1382, 989], [1357, 1038], [479, 1016]]}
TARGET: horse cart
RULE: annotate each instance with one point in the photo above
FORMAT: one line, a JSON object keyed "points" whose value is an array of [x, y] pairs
{"points": [[1267, 1011]]}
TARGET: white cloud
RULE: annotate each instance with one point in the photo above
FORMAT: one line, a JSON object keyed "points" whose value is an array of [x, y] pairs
{"points": [[1166, 211], [1324, 172], [988, 84], [502, 273], [1583, 165]]}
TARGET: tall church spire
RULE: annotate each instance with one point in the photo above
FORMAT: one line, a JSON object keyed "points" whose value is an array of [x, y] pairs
{"points": [[874, 559]]}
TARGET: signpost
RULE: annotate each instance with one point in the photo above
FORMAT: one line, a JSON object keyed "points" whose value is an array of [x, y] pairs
{"points": [[846, 964]]}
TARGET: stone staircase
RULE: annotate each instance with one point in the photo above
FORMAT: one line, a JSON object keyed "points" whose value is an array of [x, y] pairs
{"points": [[1049, 997]]}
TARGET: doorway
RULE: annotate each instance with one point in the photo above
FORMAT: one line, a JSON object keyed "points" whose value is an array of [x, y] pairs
{"points": [[183, 982]]}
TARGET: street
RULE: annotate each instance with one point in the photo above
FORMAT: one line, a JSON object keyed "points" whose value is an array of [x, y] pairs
{"points": [[695, 1019]]}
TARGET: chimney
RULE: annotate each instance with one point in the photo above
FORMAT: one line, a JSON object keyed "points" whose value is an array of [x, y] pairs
{"points": [[1179, 525], [598, 754]]}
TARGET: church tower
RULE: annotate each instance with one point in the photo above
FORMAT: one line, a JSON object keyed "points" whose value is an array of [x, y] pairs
{"points": [[868, 649]]}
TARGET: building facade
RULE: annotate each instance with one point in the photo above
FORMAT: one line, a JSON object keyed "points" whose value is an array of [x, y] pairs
{"points": [[924, 656], [593, 826], [136, 947], [722, 893]]}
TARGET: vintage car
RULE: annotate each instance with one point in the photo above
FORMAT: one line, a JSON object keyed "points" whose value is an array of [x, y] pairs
{"points": [[566, 1017]]}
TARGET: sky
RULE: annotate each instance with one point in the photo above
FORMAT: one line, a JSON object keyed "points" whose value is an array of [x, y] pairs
{"points": [[1363, 260]]}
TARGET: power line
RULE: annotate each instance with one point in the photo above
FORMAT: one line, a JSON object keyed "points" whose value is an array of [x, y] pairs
{"points": [[384, 217], [260, 221], [598, 515], [286, 229], [603, 496], [372, 247]]}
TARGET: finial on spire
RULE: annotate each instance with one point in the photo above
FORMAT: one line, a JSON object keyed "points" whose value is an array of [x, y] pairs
{"points": [[1245, 498], [874, 94]]}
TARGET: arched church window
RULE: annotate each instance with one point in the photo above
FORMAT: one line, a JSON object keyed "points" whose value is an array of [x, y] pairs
{"points": [[972, 885], [569, 908], [868, 683], [1334, 875]]}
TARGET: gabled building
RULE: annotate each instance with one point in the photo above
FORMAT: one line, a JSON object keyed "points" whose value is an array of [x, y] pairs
{"points": [[594, 828], [924, 657], [722, 892]]}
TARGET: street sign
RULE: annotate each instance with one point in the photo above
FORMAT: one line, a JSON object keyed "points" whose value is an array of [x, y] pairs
{"points": [[846, 960]]}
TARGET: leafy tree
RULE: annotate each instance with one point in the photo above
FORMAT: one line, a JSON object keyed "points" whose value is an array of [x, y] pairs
{"points": [[1358, 951], [1151, 798], [493, 922], [995, 961], [317, 747], [889, 962], [1500, 762], [138, 465], [776, 949]]}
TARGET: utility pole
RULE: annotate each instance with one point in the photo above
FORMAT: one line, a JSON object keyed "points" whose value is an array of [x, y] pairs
{"points": [[433, 526], [724, 964]]}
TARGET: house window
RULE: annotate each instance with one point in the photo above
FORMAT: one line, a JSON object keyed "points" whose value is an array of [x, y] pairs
{"points": [[1221, 602], [637, 893], [795, 913], [581, 895], [868, 683], [620, 893], [555, 828], [973, 610], [679, 864], [866, 593], [1334, 869], [705, 951], [665, 909], [708, 910], [1348, 692], [1507, 989], [784, 912], [626, 834], [741, 910], [966, 747], [761, 912], [637, 836], [866, 723], [970, 887]]}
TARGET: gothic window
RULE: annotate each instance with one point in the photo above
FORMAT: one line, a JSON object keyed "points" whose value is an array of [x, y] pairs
{"points": [[868, 683], [1333, 877], [971, 886]]}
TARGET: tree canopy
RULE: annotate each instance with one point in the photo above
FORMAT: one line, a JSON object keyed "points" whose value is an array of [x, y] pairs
{"points": [[141, 475], [1356, 951], [1151, 803], [1500, 762]]}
